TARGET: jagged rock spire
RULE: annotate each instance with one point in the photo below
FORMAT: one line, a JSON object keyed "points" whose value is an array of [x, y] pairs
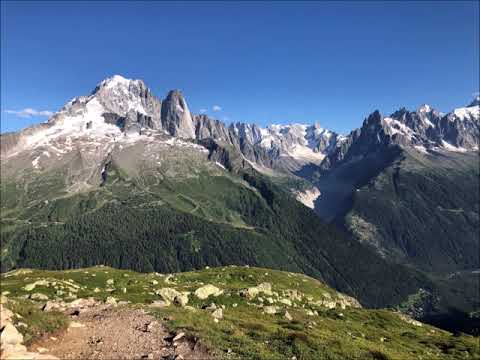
{"points": [[176, 117]]}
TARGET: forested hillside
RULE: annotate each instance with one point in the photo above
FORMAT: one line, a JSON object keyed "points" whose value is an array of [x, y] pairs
{"points": [[143, 231]]}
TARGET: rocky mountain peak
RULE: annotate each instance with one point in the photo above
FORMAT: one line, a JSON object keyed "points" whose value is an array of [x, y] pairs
{"points": [[118, 86], [176, 117], [115, 80], [425, 108], [373, 121]]}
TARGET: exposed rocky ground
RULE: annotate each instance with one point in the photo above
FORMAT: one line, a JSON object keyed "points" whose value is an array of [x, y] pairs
{"points": [[108, 332], [231, 312]]}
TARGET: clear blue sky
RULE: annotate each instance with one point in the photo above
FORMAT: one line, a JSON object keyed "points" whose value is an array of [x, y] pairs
{"points": [[270, 62]]}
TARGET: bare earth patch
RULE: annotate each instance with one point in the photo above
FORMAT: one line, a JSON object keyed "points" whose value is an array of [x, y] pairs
{"points": [[106, 332]]}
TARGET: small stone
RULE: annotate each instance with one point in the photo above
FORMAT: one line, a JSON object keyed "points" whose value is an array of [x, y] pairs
{"points": [[75, 324], [218, 314], [42, 350], [205, 291], [179, 336], [288, 316], [286, 302], [168, 294], [39, 296], [211, 307], [29, 287], [270, 309], [110, 282], [96, 290], [111, 300], [10, 336]]}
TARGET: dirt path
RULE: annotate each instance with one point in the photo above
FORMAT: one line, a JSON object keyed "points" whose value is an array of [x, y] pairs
{"points": [[106, 332]]}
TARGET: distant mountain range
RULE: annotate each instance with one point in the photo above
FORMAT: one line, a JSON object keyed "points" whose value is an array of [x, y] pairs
{"points": [[124, 178], [133, 109]]}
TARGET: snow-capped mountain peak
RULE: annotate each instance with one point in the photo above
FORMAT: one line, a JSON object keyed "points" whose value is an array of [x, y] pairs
{"points": [[471, 111], [425, 108], [115, 80]]}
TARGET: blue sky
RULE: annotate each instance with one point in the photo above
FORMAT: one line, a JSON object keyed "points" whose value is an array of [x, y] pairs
{"points": [[262, 62]]}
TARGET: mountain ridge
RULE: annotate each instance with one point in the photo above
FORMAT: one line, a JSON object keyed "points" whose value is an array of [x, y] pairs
{"points": [[130, 105]]}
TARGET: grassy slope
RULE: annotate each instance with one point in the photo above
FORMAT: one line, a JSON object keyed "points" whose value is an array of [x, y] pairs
{"points": [[245, 330]]}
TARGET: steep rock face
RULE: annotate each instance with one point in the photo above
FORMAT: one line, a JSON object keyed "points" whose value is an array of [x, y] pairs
{"points": [[131, 101], [250, 133], [176, 117], [283, 147], [206, 127], [369, 138], [461, 128]]}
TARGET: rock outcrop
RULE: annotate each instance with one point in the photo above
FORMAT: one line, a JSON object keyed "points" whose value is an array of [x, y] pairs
{"points": [[207, 290], [176, 117]]}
